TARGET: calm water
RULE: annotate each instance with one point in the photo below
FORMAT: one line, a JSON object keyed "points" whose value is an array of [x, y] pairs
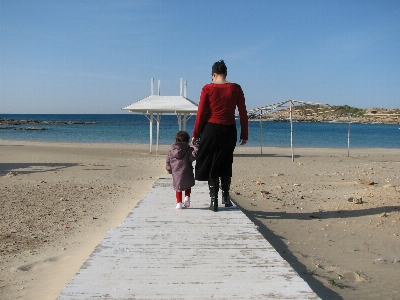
{"points": [[134, 128]]}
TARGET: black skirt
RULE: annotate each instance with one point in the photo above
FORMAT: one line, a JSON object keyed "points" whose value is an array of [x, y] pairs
{"points": [[215, 155]]}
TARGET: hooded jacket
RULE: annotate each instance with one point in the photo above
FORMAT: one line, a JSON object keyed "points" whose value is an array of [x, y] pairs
{"points": [[179, 163]]}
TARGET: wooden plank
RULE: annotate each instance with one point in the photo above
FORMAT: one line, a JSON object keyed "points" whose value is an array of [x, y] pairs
{"points": [[160, 252]]}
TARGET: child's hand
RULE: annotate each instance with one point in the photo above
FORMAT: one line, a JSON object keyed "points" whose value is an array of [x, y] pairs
{"points": [[195, 141]]}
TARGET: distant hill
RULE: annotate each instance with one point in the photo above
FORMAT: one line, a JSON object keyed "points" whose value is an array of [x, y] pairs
{"points": [[344, 113]]}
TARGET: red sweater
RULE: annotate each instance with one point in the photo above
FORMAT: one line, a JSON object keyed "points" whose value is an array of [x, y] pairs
{"points": [[218, 104]]}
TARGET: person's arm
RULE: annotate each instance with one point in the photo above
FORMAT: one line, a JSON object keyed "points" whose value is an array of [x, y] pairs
{"points": [[244, 120], [194, 151], [201, 117], [168, 164]]}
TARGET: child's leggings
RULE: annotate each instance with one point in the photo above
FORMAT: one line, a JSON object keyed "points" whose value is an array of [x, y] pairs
{"points": [[179, 194]]}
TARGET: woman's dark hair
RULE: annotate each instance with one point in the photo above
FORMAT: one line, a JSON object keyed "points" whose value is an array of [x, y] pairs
{"points": [[182, 137], [219, 67]]}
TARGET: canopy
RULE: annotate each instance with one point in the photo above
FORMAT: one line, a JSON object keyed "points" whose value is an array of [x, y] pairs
{"points": [[155, 105], [163, 104], [260, 111]]}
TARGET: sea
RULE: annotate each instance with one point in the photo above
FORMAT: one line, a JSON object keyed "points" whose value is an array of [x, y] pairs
{"points": [[135, 129]]}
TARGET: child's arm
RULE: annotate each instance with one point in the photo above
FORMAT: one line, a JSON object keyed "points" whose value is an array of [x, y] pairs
{"points": [[193, 152], [168, 164]]}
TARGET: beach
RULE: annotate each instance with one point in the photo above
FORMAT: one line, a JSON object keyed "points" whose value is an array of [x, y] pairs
{"points": [[334, 218]]}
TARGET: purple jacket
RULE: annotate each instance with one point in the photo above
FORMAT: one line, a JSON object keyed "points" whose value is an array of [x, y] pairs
{"points": [[179, 163]]}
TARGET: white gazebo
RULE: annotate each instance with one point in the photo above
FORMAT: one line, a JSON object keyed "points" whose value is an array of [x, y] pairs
{"points": [[155, 105]]}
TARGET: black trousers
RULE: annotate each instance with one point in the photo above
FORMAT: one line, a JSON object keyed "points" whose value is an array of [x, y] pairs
{"points": [[215, 156]]}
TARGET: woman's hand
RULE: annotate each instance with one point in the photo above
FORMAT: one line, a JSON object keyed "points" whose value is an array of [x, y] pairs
{"points": [[195, 141], [242, 142]]}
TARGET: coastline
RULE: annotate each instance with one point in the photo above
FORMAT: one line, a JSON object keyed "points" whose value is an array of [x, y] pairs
{"points": [[332, 114], [71, 194], [132, 128]]}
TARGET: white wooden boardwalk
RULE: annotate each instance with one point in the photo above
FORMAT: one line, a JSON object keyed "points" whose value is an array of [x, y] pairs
{"points": [[160, 252]]}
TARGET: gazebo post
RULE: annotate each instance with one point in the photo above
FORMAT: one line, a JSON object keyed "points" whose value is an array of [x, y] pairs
{"points": [[261, 140], [184, 92], [151, 130], [291, 128], [158, 129], [184, 121], [348, 136], [179, 116]]}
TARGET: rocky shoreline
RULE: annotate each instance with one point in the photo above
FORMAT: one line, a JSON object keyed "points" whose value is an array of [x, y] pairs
{"points": [[11, 124], [332, 114], [300, 113], [37, 122]]}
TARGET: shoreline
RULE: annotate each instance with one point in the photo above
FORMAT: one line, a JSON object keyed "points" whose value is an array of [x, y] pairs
{"points": [[313, 115], [72, 194], [132, 128], [165, 147]]}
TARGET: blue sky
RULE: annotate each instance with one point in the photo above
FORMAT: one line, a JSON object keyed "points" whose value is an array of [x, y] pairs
{"points": [[99, 56]]}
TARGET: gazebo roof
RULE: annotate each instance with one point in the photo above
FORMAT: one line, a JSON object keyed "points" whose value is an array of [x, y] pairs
{"points": [[155, 105], [163, 104]]}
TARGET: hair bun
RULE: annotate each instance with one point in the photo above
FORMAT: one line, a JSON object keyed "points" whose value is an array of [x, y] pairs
{"points": [[219, 67]]}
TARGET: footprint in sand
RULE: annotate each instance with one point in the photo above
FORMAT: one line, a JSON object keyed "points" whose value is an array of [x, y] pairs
{"points": [[39, 264], [347, 274]]}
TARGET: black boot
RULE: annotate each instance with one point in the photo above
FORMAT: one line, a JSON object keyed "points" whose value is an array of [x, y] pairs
{"points": [[225, 186], [213, 185]]}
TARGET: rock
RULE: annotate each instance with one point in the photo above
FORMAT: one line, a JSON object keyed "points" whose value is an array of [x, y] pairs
{"points": [[358, 200], [387, 186], [347, 274], [366, 182], [30, 128], [11, 174]]}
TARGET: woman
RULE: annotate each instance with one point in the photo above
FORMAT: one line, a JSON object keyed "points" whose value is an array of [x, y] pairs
{"points": [[215, 126]]}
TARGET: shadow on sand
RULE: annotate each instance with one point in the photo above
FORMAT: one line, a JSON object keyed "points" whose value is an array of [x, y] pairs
{"points": [[29, 168], [265, 155], [276, 241]]}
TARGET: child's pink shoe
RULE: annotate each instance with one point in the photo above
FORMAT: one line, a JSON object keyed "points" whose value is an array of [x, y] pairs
{"points": [[186, 202]]}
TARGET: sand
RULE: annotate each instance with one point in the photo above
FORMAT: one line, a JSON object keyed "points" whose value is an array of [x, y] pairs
{"points": [[334, 218]]}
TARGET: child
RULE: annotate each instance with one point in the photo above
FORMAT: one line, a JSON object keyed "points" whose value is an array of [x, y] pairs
{"points": [[179, 163]]}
